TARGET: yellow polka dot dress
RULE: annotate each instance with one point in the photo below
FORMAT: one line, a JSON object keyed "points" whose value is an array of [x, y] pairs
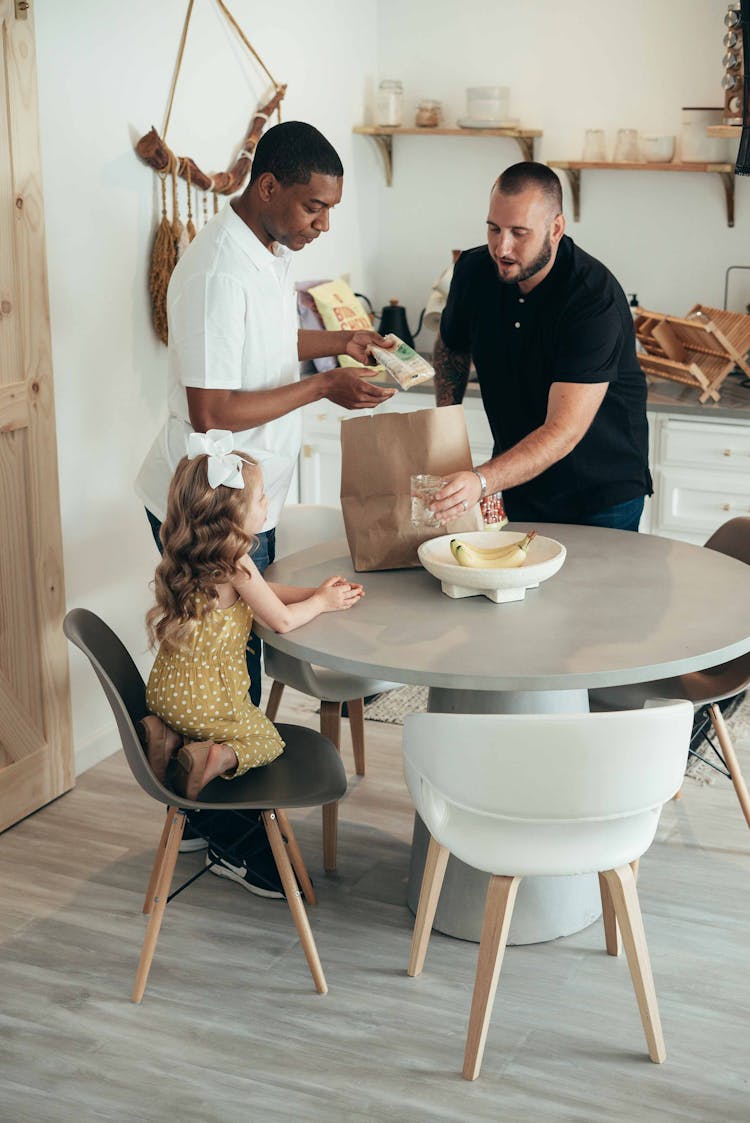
{"points": [[201, 690]]}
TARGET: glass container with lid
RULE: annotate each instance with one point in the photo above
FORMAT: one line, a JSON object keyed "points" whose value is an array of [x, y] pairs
{"points": [[429, 114], [389, 104]]}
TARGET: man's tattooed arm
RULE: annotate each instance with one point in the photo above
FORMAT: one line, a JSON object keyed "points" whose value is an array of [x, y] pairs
{"points": [[451, 374]]}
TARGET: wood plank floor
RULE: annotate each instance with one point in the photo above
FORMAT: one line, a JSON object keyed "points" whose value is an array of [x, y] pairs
{"points": [[231, 1030]]}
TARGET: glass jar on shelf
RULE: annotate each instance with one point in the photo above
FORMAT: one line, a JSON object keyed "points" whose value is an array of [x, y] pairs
{"points": [[389, 104], [429, 114]]}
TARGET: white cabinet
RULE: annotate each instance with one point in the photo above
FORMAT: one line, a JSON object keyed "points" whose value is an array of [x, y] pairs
{"points": [[700, 464], [320, 460], [701, 470]]}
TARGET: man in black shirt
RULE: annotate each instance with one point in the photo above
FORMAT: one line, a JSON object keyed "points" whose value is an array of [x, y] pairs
{"points": [[551, 336]]}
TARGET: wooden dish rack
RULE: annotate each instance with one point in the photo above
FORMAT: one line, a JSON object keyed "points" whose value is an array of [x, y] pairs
{"points": [[700, 349]]}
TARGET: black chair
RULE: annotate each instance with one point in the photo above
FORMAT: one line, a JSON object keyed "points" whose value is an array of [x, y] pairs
{"points": [[309, 773]]}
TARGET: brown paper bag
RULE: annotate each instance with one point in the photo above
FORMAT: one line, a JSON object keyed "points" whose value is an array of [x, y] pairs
{"points": [[379, 454]]}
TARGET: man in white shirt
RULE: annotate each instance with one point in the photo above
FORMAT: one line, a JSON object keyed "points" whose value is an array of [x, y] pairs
{"points": [[234, 346]]}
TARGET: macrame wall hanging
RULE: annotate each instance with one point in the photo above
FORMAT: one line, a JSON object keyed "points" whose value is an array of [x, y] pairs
{"points": [[172, 237]]}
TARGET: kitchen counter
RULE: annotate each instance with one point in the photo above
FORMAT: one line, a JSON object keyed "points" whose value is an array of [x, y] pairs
{"points": [[663, 397], [676, 398], [699, 454]]}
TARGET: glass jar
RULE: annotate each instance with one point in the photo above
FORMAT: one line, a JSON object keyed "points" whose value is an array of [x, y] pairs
{"points": [[389, 104], [429, 114]]}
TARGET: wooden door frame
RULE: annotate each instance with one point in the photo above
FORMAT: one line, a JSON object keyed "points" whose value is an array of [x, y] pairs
{"points": [[29, 405]]}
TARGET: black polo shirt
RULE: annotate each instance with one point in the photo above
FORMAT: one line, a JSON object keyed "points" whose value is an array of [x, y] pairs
{"points": [[575, 326]]}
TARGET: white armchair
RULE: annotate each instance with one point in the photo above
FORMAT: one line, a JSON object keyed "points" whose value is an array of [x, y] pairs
{"points": [[519, 795]]}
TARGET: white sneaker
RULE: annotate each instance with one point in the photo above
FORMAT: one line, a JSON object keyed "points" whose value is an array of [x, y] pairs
{"points": [[261, 878]]}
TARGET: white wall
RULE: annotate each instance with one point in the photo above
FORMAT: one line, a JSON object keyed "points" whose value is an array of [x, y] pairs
{"points": [[104, 74], [570, 66], [105, 69]]}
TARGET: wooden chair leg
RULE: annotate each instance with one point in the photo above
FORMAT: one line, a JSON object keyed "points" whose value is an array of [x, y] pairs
{"points": [[730, 757], [429, 895], [297, 909], [611, 931], [295, 856], [356, 710], [498, 910], [171, 850], [158, 861], [274, 698], [621, 885], [330, 727]]}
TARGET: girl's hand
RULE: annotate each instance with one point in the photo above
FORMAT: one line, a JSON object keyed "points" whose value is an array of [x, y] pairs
{"points": [[337, 593]]}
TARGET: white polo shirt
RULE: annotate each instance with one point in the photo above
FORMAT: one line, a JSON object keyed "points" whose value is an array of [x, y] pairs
{"points": [[232, 326]]}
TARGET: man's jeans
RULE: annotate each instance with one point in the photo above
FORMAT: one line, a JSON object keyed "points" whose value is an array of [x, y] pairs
{"points": [[623, 516], [263, 556]]}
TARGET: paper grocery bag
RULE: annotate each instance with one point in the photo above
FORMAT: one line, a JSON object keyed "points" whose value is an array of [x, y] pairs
{"points": [[379, 455]]}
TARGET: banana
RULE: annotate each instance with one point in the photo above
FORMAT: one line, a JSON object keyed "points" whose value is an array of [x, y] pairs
{"points": [[506, 557]]}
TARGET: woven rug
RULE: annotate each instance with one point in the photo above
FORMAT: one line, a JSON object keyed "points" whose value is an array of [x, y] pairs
{"points": [[393, 707]]}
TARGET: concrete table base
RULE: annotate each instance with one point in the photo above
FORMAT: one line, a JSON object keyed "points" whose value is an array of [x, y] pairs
{"points": [[546, 907]]}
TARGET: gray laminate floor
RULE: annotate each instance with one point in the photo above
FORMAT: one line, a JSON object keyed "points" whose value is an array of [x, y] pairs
{"points": [[231, 1030]]}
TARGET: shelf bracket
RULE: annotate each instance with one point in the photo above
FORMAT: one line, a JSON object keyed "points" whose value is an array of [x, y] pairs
{"points": [[727, 178], [384, 142], [574, 178], [526, 144]]}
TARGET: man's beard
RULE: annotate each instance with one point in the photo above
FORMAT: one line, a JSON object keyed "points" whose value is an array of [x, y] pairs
{"points": [[539, 262]]}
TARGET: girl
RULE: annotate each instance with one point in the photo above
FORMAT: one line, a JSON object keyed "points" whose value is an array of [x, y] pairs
{"points": [[207, 591]]}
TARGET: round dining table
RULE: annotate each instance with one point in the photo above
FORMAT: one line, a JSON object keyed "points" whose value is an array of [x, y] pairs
{"points": [[624, 608]]}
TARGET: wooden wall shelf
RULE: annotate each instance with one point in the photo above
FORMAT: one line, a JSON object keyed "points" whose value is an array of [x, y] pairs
{"points": [[724, 130], [383, 136], [573, 169]]}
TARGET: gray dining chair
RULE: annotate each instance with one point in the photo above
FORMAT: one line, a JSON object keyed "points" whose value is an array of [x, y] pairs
{"points": [[302, 526], [704, 689], [308, 773]]}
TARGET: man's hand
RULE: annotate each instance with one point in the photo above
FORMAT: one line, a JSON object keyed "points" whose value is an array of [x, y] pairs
{"points": [[357, 347], [348, 387], [462, 490]]}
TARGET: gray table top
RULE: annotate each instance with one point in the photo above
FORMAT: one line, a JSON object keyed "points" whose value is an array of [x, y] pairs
{"points": [[624, 608]]}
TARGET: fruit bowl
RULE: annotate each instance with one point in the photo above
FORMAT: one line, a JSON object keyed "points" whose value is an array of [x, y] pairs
{"points": [[543, 559]]}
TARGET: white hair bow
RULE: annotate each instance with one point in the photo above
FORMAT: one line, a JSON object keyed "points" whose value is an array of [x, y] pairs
{"points": [[224, 465]]}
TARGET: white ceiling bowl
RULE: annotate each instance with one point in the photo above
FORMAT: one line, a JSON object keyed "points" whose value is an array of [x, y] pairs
{"points": [[543, 559]]}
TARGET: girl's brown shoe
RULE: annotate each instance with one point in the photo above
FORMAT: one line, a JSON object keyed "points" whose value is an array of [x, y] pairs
{"points": [[160, 742]]}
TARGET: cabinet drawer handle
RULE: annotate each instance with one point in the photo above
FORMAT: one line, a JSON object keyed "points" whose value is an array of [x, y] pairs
{"points": [[726, 506], [727, 452]]}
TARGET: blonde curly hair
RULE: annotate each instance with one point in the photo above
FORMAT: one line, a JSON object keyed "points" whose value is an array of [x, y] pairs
{"points": [[204, 539]]}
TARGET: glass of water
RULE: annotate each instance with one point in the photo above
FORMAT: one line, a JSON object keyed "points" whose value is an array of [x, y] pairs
{"points": [[424, 488]]}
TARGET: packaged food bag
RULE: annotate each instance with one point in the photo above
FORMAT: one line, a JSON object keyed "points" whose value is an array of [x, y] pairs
{"points": [[340, 310], [379, 455], [403, 363]]}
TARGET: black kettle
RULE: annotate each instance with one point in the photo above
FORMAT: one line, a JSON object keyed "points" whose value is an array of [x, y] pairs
{"points": [[393, 321]]}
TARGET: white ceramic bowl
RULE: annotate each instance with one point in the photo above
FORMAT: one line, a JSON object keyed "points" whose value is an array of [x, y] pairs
{"points": [[657, 149], [545, 556]]}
